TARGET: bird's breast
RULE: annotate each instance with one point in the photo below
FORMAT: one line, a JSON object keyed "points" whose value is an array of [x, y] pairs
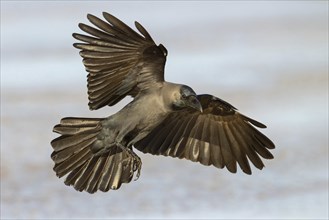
{"points": [[136, 120]]}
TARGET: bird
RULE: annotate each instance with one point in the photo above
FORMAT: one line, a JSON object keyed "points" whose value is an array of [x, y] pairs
{"points": [[163, 118]]}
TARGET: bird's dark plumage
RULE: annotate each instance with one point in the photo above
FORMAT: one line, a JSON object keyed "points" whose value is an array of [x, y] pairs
{"points": [[219, 136], [163, 119], [120, 61]]}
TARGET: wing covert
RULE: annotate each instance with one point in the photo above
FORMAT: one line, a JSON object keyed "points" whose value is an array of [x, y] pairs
{"points": [[119, 60]]}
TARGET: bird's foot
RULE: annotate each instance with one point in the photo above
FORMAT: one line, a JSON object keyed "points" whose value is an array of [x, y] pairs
{"points": [[137, 166], [137, 162]]}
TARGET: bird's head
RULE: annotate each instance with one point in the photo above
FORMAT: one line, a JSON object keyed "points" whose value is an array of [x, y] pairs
{"points": [[185, 97]]}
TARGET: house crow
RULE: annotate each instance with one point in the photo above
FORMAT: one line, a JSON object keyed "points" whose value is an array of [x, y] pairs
{"points": [[163, 118]]}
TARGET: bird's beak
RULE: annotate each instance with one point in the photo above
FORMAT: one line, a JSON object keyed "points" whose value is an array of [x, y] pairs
{"points": [[193, 102]]}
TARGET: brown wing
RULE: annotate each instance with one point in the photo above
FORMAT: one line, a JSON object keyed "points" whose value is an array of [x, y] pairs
{"points": [[120, 61], [219, 136]]}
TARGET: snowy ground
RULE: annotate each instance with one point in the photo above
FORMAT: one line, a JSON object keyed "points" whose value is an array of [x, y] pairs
{"points": [[269, 59]]}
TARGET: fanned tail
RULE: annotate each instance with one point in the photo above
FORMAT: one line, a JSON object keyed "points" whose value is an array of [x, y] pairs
{"points": [[86, 171]]}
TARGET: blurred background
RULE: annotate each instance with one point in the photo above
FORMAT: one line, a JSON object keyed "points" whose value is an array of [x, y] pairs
{"points": [[267, 58]]}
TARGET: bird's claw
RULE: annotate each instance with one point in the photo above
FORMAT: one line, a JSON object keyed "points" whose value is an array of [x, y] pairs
{"points": [[136, 161], [137, 166]]}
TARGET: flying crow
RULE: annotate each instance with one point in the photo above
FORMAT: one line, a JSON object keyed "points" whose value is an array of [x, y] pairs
{"points": [[164, 118]]}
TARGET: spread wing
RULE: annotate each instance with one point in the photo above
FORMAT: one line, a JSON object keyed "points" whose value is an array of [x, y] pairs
{"points": [[119, 60], [219, 136]]}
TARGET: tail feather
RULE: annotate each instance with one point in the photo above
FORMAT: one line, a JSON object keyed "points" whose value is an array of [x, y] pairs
{"points": [[66, 153], [96, 175], [75, 174], [72, 163], [86, 171], [82, 181], [79, 122], [70, 130], [66, 141]]}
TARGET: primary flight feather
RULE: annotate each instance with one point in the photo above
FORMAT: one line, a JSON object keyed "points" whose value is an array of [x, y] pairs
{"points": [[163, 119]]}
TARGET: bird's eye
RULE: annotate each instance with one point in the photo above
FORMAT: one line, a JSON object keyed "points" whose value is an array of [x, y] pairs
{"points": [[183, 96]]}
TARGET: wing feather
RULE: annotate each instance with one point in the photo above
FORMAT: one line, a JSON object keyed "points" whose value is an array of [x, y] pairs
{"points": [[219, 136], [205, 149], [216, 154], [169, 138], [237, 149], [119, 60], [226, 151], [244, 139], [177, 150], [123, 27], [143, 31]]}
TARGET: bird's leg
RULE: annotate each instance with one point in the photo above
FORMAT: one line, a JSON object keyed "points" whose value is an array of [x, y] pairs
{"points": [[137, 162], [99, 150]]}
